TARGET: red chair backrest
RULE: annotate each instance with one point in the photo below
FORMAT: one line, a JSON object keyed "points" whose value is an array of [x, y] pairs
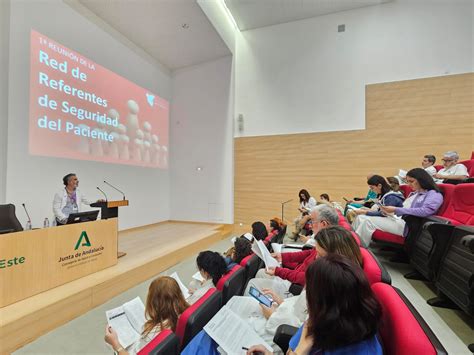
{"points": [[197, 315], [244, 261], [461, 208], [224, 278], [470, 166], [371, 267], [232, 283], [472, 155], [448, 192], [406, 190], [438, 167], [400, 331], [155, 342]]}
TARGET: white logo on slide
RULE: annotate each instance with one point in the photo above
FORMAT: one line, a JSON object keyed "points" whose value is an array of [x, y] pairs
{"points": [[151, 99]]}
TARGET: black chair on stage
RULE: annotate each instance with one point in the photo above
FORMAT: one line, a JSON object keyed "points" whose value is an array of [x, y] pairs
{"points": [[8, 221]]}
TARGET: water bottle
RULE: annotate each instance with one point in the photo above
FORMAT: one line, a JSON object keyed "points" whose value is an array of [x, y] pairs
{"points": [[46, 223], [28, 226]]}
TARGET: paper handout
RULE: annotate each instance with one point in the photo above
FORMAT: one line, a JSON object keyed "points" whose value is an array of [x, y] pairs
{"points": [[127, 320], [183, 288], [260, 249], [232, 333]]}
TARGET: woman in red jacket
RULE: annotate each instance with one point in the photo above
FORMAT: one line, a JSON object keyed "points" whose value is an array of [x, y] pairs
{"points": [[294, 265]]}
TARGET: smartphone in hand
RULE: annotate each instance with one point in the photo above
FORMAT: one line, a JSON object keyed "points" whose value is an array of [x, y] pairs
{"points": [[260, 297]]}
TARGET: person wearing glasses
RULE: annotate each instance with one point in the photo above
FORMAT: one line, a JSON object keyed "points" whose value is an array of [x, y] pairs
{"points": [[451, 170], [294, 265], [69, 199]]}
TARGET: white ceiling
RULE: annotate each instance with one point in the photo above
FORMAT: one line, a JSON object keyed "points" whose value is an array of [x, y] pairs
{"points": [[251, 14], [156, 27]]}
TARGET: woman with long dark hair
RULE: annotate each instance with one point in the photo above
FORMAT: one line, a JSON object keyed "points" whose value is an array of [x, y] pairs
{"points": [[346, 294], [307, 203], [367, 219], [259, 230], [343, 313]]}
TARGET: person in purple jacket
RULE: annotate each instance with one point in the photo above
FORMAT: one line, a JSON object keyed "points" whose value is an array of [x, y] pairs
{"points": [[424, 201]]}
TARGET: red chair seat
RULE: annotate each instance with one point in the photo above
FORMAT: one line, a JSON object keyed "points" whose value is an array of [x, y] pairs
{"points": [[382, 236]]}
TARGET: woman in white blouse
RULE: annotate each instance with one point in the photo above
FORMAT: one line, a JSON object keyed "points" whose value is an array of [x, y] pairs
{"points": [[306, 205]]}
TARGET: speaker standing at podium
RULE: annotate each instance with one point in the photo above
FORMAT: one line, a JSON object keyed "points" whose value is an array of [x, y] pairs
{"points": [[68, 200]]}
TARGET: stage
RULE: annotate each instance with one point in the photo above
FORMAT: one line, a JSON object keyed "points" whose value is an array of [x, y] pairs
{"points": [[150, 250]]}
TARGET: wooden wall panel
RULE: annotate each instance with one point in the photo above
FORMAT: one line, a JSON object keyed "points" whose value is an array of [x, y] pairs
{"points": [[404, 121]]}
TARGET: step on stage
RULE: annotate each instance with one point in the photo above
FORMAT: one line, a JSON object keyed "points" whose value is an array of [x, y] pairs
{"points": [[150, 250]]}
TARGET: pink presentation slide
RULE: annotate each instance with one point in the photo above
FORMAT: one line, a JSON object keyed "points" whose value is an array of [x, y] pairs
{"points": [[81, 110]]}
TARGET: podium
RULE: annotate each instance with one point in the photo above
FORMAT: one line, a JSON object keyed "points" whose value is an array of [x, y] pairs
{"points": [[37, 260], [109, 209]]}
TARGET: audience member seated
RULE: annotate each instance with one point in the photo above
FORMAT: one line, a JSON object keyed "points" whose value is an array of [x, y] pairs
{"points": [[343, 316], [427, 163], [451, 171], [164, 304], [242, 248], [306, 205], [368, 220], [259, 230], [424, 201], [358, 202], [292, 310], [276, 227], [294, 265], [394, 184], [325, 199], [211, 266]]}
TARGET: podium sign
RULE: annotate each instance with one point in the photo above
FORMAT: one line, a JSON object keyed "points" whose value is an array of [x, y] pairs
{"points": [[37, 260]]}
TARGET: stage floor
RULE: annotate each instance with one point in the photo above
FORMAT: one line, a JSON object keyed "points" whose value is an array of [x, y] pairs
{"points": [[150, 250]]}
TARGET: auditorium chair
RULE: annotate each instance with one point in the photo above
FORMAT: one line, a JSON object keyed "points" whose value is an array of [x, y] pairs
{"points": [[232, 283], [431, 243], [165, 343], [455, 277], [8, 221], [346, 225], [402, 329], [251, 263], [197, 315], [373, 269], [279, 237]]}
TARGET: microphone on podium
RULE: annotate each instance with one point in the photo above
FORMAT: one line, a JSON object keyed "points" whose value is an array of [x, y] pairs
{"points": [[103, 193], [28, 223], [27, 214], [112, 186]]}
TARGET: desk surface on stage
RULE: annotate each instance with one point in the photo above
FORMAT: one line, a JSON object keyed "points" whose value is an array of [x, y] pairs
{"points": [[150, 250]]}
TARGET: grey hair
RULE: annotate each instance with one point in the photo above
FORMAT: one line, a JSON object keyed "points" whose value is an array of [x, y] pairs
{"points": [[327, 213], [452, 154]]}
